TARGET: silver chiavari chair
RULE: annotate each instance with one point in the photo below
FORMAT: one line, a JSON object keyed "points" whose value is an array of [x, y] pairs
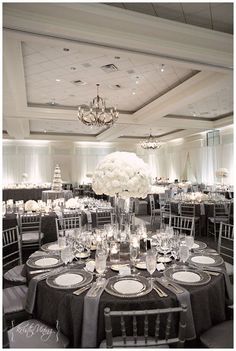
{"points": [[12, 255], [221, 213], [183, 225], [149, 328], [103, 217], [225, 245], [30, 230], [65, 225]]}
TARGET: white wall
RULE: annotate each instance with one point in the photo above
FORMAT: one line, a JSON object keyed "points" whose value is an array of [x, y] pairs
{"points": [[180, 159]]}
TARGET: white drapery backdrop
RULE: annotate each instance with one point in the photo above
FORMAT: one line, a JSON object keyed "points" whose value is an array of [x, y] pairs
{"points": [[38, 161]]}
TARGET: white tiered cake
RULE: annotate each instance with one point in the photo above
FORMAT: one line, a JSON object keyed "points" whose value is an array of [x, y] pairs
{"points": [[57, 182]]}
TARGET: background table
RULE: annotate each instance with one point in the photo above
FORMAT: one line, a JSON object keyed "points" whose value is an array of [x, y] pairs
{"points": [[23, 194], [53, 195], [208, 306]]}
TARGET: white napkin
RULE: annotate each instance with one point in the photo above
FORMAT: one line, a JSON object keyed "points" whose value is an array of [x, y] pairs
{"points": [[90, 266], [160, 267]]}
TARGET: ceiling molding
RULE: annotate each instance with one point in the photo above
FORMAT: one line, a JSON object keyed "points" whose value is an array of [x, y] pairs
{"points": [[106, 26]]}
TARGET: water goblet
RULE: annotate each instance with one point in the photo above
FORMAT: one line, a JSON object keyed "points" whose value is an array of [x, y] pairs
{"points": [[183, 253], [151, 263], [66, 255], [189, 241], [100, 263], [134, 251]]}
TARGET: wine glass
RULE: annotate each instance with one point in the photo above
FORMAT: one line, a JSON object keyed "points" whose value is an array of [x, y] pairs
{"points": [[165, 245], [189, 241], [183, 253], [66, 255], [100, 263], [151, 263], [134, 251]]}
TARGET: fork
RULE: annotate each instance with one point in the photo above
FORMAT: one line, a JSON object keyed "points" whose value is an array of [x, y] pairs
{"points": [[160, 292], [81, 290]]}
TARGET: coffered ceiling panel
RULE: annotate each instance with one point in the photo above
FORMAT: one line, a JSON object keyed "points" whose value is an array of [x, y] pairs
{"points": [[51, 73]]}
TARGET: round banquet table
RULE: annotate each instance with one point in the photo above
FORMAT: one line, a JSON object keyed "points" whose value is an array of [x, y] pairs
{"points": [[23, 194], [48, 224], [53, 195], [207, 301], [203, 211]]}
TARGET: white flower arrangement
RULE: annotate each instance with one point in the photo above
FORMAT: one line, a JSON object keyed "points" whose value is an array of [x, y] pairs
{"points": [[31, 205], [122, 173], [222, 172], [72, 203]]}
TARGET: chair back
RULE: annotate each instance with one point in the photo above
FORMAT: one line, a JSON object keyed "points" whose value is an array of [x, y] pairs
{"points": [[67, 223], [152, 202], [146, 328], [184, 225], [226, 242], [11, 247], [195, 188], [187, 210], [131, 205], [222, 210], [103, 217], [162, 199], [30, 222]]}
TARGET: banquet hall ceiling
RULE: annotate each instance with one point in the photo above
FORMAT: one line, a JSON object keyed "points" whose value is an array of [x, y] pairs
{"points": [[52, 66], [216, 16]]}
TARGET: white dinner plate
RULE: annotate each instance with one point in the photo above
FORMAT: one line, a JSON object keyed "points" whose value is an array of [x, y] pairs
{"points": [[68, 279], [116, 267], [82, 254], [141, 265], [203, 259], [189, 277], [47, 261], [128, 287]]}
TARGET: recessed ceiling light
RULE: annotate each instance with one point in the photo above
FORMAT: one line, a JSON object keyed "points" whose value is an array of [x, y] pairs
{"points": [[133, 92], [58, 80], [66, 49], [194, 114], [162, 68], [45, 131], [137, 80]]}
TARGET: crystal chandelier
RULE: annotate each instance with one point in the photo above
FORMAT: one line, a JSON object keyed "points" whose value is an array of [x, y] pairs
{"points": [[98, 115], [150, 143]]}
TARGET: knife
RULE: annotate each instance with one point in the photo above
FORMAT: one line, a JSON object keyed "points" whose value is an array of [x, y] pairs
{"points": [[81, 290]]}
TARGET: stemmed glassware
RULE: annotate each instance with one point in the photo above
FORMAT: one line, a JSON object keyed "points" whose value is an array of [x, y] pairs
{"points": [[165, 245], [189, 241], [67, 255], [134, 251], [100, 262], [151, 263], [183, 252]]}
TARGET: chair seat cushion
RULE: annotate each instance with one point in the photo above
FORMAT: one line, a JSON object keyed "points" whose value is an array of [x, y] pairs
{"points": [[229, 268], [15, 274], [31, 236], [14, 298], [34, 334], [219, 336], [218, 219]]}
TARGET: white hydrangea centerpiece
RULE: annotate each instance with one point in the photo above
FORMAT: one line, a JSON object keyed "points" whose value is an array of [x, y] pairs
{"points": [[123, 174], [222, 172], [31, 205]]}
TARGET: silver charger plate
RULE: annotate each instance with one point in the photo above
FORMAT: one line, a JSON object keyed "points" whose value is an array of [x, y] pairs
{"points": [[61, 280], [199, 245], [185, 275], [50, 247], [128, 286], [205, 259], [34, 262]]}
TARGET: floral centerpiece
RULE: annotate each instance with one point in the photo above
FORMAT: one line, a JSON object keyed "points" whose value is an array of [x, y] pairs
{"points": [[31, 205], [123, 174], [222, 173], [72, 203]]}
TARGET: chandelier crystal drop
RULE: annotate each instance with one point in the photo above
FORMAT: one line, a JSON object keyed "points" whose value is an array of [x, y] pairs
{"points": [[150, 143], [98, 114]]}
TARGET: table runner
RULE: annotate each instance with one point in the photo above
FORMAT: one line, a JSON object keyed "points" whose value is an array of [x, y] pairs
{"points": [[31, 295], [184, 299], [90, 317]]}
